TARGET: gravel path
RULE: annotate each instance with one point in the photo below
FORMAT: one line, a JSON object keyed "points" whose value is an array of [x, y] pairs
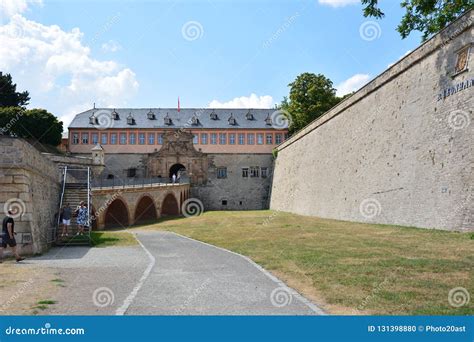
{"points": [[193, 278], [167, 274]]}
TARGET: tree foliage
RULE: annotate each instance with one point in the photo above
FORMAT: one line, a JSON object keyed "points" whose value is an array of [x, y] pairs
{"points": [[34, 124], [9, 97], [426, 16], [310, 96]]}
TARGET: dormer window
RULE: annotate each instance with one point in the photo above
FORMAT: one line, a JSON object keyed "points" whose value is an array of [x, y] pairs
{"points": [[232, 120], [168, 120], [92, 120], [194, 120], [249, 116], [115, 115], [268, 120], [150, 115], [214, 116], [130, 119]]}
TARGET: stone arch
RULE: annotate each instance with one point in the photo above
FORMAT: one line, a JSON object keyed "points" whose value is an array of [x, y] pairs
{"points": [[175, 168], [145, 210], [117, 214], [170, 206]]}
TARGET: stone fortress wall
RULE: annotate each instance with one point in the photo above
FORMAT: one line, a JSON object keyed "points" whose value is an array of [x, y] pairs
{"points": [[399, 151], [29, 183]]}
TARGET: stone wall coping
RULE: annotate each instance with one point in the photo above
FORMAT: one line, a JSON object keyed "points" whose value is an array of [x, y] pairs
{"points": [[440, 39]]}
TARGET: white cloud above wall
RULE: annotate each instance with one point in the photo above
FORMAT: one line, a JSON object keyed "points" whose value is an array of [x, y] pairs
{"points": [[352, 84], [9, 8], [338, 3], [111, 46], [252, 101], [58, 69]]}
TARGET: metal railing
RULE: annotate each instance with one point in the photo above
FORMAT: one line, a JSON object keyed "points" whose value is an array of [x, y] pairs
{"points": [[136, 182]]}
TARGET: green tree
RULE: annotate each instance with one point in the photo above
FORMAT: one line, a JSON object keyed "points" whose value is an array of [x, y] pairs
{"points": [[310, 96], [35, 124], [426, 16], [9, 97]]}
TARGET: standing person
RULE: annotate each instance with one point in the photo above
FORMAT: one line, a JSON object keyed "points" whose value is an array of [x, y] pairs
{"points": [[174, 178], [66, 214], [8, 236], [81, 217]]}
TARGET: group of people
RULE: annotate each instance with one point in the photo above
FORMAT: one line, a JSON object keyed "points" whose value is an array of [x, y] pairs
{"points": [[7, 236], [81, 214]]}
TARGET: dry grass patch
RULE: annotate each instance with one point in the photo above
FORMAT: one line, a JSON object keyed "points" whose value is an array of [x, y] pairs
{"points": [[345, 266]]}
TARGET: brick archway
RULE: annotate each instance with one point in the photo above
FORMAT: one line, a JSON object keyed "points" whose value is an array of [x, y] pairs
{"points": [[170, 206], [116, 215], [145, 211]]}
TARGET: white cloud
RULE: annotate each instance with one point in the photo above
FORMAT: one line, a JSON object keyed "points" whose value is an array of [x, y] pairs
{"points": [[59, 71], [352, 84], [338, 3], [252, 101], [9, 8], [111, 46], [405, 54]]}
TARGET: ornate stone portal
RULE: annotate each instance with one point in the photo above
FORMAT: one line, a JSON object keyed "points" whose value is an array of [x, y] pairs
{"points": [[178, 153]]}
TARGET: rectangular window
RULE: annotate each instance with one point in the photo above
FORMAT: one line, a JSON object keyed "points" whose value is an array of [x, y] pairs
{"points": [[75, 139], [259, 138], [245, 172], [232, 138], [103, 138], [250, 138], [221, 172], [222, 138], [264, 172], [254, 171], [85, 138], [278, 138], [131, 172], [141, 138], [196, 139], [132, 140], [123, 138], [269, 139], [160, 139], [151, 138], [113, 138], [203, 138], [241, 138], [95, 138], [287, 136], [213, 138]]}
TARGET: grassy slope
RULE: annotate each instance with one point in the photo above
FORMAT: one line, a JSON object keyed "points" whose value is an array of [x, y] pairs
{"points": [[348, 267]]}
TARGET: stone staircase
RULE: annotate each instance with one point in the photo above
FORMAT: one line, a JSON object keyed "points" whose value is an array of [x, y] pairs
{"points": [[74, 193]]}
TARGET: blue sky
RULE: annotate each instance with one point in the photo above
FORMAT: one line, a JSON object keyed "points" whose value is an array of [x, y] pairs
{"points": [[69, 54]]}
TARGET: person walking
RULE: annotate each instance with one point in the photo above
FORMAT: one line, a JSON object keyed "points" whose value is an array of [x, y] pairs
{"points": [[174, 178], [66, 214], [81, 217], [8, 236]]}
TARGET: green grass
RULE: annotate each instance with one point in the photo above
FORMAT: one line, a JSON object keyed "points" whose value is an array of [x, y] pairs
{"points": [[347, 267], [112, 238], [47, 302]]}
